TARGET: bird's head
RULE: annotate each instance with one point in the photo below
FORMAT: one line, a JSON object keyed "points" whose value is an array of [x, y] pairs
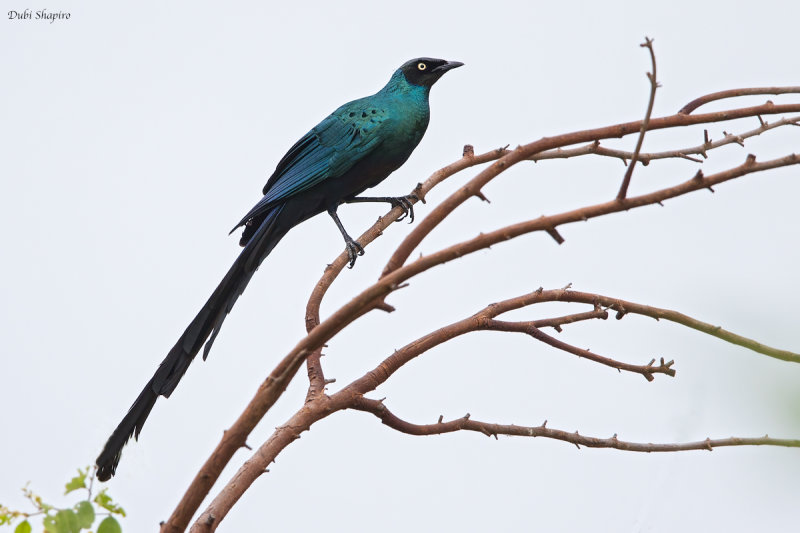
{"points": [[425, 71]]}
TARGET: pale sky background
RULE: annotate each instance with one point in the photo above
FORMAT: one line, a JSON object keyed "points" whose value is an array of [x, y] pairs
{"points": [[133, 137]]}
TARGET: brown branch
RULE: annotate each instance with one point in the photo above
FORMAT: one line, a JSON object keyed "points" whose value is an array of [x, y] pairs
{"points": [[624, 307], [372, 297], [733, 93], [377, 376], [681, 153], [707, 146], [544, 223], [530, 329], [441, 211], [557, 322], [265, 455], [626, 180], [351, 396], [466, 423], [273, 387], [276, 383]]}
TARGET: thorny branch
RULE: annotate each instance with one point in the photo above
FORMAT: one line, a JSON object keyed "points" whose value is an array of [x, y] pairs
{"points": [[626, 180], [466, 423], [319, 405]]}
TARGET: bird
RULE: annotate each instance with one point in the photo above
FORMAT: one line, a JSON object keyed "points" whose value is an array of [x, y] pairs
{"points": [[353, 149]]}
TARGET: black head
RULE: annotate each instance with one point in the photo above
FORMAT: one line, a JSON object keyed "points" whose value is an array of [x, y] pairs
{"points": [[425, 71]]}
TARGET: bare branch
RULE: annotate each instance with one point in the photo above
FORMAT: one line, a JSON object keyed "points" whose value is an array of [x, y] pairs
{"points": [[483, 318], [522, 153], [733, 93], [530, 329], [680, 153], [395, 274], [626, 180], [468, 424]]}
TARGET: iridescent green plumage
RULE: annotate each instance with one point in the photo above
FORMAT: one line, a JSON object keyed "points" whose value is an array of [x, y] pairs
{"points": [[354, 148]]}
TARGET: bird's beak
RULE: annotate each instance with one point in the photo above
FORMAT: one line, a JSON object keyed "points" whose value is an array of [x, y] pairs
{"points": [[448, 66]]}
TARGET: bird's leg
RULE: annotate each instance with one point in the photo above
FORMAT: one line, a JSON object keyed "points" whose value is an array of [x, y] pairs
{"points": [[404, 202], [353, 248]]}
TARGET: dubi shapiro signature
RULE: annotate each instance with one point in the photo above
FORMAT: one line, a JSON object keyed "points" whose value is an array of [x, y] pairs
{"points": [[39, 14]]}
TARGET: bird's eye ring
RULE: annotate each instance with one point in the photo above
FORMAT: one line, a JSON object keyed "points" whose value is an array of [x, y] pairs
{"points": [[422, 66]]}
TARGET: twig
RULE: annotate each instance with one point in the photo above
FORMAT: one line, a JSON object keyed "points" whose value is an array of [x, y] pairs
{"points": [[530, 329], [441, 211], [626, 180], [681, 153], [732, 93], [468, 424], [395, 275]]}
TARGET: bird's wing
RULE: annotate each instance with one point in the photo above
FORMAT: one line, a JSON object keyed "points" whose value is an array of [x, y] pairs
{"points": [[327, 151]]}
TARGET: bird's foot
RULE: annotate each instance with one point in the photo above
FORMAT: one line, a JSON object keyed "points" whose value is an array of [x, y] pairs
{"points": [[353, 250], [406, 204]]}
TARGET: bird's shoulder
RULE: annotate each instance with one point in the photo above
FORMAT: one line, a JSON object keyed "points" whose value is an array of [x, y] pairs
{"points": [[333, 145], [357, 118]]}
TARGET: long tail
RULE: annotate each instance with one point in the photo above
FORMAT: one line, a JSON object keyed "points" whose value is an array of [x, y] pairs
{"points": [[204, 327]]}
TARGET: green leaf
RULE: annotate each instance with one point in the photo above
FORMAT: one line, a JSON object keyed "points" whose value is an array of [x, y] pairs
{"points": [[78, 482], [109, 525], [104, 500], [67, 521], [23, 527], [85, 513], [50, 525]]}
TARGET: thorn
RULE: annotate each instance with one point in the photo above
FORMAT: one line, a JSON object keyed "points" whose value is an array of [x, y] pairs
{"points": [[480, 195], [558, 328], [751, 158], [383, 306], [540, 290], [245, 445], [418, 193], [328, 381], [469, 151], [544, 424], [706, 140], [660, 203], [555, 235], [441, 417], [698, 176], [690, 158], [466, 416], [761, 120], [567, 287]]}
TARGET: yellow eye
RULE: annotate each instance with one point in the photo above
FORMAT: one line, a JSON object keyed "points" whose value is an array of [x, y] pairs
{"points": [[422, 66]]}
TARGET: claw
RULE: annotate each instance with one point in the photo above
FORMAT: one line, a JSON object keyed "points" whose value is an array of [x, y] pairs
{"points": [[353, 251], [405, 203]]}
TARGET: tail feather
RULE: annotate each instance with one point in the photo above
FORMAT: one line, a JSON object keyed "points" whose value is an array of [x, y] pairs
{"points": [[203, 329]]}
